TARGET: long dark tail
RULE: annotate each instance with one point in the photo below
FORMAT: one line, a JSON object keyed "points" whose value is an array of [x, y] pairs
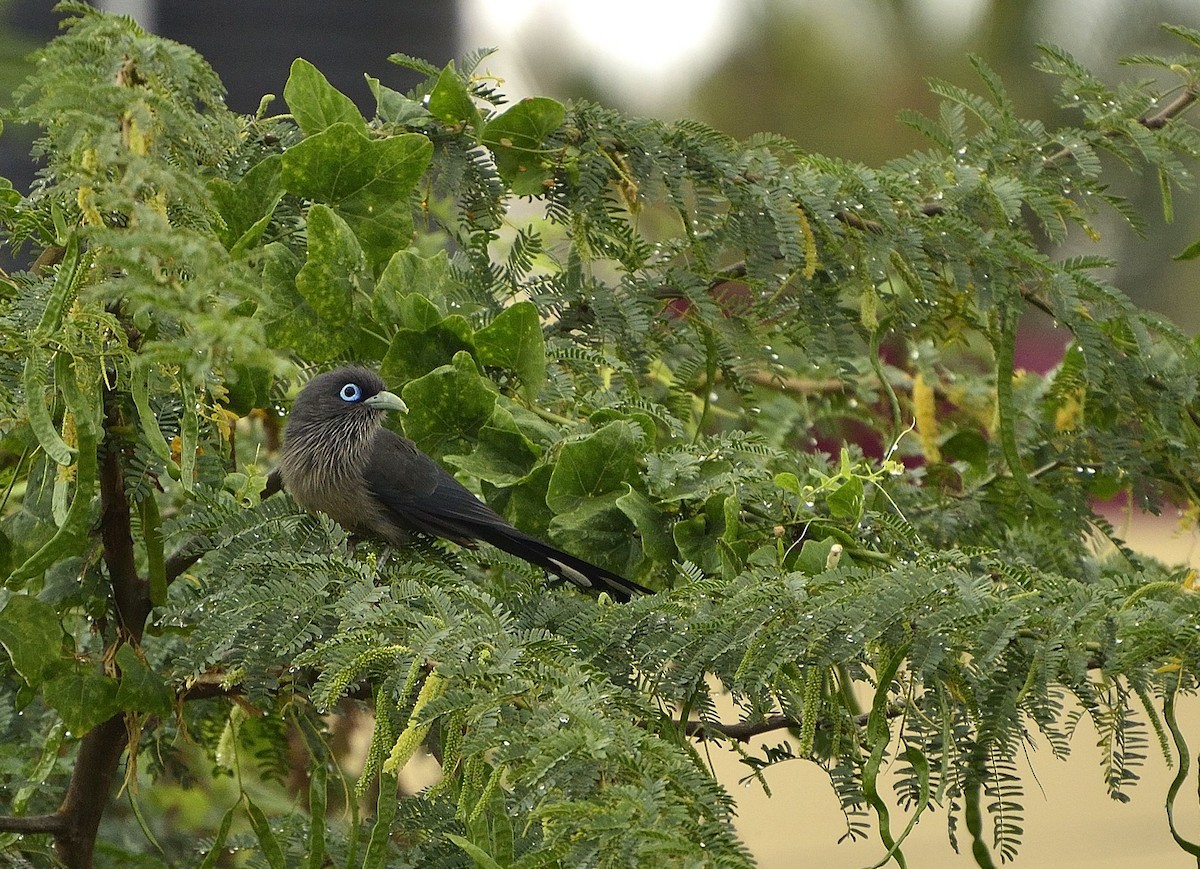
{"points": [[574, 570]]}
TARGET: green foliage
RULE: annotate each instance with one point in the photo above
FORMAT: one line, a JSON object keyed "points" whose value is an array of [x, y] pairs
{"points": [[779, 388]]}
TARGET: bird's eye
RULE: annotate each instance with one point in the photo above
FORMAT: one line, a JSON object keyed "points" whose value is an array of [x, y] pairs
{"points": [[350, 392]]}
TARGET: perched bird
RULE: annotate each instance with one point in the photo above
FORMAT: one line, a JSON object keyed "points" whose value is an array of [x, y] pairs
{"points": [[339, 459]]}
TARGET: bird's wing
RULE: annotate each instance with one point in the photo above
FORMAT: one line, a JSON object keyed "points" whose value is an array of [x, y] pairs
{"points": [[421, 496]]}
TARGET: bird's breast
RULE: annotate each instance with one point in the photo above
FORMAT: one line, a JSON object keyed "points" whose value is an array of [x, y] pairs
{"points": [[330, 481]]}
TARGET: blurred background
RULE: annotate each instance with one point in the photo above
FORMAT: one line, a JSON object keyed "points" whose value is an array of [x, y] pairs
{"points": [[832, 76]]}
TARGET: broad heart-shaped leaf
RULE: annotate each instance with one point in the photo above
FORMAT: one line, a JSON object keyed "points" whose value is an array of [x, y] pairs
{"points": [[395, 108], [514, 340], [700, 538], [414, 353], [814, 557], [247, 206], [515, 139], [334, 271], [651, 525], [600, 532], [524, 505], [292, 324], [312, 305], [315, 103], [502, 456], [32, 635], [448, 406], [597, 465], [248, 387], [846, 502], [408, 276], [81, 696], [368, 181], [140, 689], [450, 100]]}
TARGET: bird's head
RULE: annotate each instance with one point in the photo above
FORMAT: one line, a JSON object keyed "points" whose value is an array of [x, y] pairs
{"points": [[348, 396]]}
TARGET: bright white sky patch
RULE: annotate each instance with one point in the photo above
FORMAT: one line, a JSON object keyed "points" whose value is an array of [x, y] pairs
{"points": [[649, 50]]}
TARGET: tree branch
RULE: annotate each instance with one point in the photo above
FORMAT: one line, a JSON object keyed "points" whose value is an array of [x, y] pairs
{"points": [[32, 823], [101, 748], [182, 558], [131, 595], [208, 686], [1171, 110], [1155, 121], [742, 731], [745, 730], [92, 781]]}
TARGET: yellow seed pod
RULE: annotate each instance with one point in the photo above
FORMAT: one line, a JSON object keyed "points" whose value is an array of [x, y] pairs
{"points": [[924, 400], [811, 261], [136, 139], [1069, 414]]}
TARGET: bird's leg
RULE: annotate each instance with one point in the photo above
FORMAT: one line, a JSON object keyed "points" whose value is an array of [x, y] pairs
{"points": [[383, 557]]}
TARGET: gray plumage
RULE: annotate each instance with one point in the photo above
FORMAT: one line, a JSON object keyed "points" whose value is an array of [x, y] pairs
{"points": [[339, 459]]}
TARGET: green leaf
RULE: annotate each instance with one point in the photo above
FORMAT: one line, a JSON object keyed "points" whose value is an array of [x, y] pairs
{"points": [[312, 303], [31, 634], [246, 207], [248, 387], [696, 542], [502, 457], [52, 745], [814, 556], [409, 289], [1192, 251], [846, 501], [514, 340], [516, 141], [524, 504], [38, 414], [413, 353], [417, 312], [788, 481], [381, 830], [481, 858], [316, 104], [395, 108], [291, 323], [151, 431], [967, 446], [705, 539], [596, 465], [152, 538], [72, 534], [218, 845], [318, 796], [448, 407], [81, 696], [599, 531], [140, 689], [272, 852], [652, 525], [369, 182], [450, 100], [6, 554], [334, 270]]}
